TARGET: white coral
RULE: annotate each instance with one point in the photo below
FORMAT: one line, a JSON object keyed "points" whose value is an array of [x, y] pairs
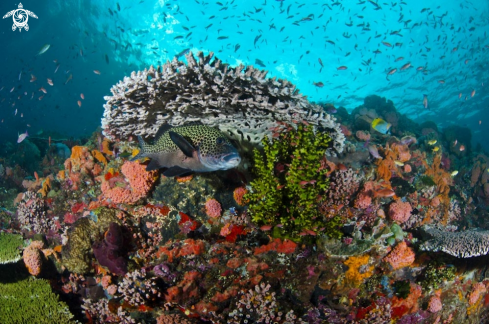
{"points": [[241, 101]]}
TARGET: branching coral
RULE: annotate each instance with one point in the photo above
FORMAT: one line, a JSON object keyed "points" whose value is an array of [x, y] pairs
{"points": [[290, 181], [139, 289], [241, 101], [31, 214]]}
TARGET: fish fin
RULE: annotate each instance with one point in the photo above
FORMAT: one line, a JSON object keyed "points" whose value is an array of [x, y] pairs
{"points": [[176, 171], [182, 144], [154, 164], [142, 145], [163, 129]]}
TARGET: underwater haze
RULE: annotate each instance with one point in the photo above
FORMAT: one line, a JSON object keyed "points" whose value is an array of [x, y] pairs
{"points": [[335, 52]]}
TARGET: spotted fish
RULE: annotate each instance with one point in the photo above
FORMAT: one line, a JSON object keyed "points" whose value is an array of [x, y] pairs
{"points": [[186, 149]]}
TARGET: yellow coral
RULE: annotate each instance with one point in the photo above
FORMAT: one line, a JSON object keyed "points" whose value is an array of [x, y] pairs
{"points": [[46, 186], [99, 157], [358, 269]]}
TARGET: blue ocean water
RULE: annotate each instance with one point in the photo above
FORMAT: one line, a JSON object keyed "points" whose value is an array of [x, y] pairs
{"points": [[335, 52]]}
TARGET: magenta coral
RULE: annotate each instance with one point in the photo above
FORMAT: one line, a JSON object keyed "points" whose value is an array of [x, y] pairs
{"points": [[400, 211], [213, 208]]}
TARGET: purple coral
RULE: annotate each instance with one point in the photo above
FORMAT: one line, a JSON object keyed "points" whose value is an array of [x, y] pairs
{"points": [[108, 251]]}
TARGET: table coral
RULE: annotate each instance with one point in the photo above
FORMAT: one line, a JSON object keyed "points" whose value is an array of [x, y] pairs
{"points": [[239, 100], [465, 244], [10, 245], [32, 301]]}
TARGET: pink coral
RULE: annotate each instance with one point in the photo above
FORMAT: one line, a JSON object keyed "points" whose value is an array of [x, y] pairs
{"points": [[401, 256], [400, 211], [213, 208], [33, 258], [435, 305], [477, 291], [407, 168], [140, 183], [362, 136], [69, 218], [363, 201], [238, 195]]}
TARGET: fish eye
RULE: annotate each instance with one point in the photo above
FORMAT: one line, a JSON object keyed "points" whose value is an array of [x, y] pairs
{"points": [[220, 141]]}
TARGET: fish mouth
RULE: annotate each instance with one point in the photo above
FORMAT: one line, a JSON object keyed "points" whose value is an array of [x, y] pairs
{"points": [[232, 160]]}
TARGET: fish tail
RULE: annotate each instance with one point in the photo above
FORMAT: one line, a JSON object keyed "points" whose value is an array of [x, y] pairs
{"points": [[143, 149]]}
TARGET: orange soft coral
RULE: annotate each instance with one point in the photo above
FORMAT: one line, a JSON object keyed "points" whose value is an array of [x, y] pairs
{"points": [[358, 269], [401, 256], [140, 183]]}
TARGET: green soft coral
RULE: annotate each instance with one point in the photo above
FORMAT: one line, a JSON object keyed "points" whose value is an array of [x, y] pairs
{"points": [[10, 247], [290, 182], [31, 301]]}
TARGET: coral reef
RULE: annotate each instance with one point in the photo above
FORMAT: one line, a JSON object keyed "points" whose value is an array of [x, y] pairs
{"points": [[10, 247], [239, 101], [31, 301]]}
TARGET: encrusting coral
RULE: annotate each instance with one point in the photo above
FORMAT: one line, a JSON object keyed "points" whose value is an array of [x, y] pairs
{"points": [[240, 101]]}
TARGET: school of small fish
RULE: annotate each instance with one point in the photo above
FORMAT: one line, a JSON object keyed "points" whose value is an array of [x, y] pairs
{"points": [[420, 55]]}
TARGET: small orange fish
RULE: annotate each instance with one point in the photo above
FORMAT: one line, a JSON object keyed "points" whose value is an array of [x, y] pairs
{"points": [[50, 82], [43, 90], [49, 141], [96, 72], [340, 68], [266, 228], [472, 94], [79, 103], [460, 95], [384, 193], [462, 148], [82, 96]]}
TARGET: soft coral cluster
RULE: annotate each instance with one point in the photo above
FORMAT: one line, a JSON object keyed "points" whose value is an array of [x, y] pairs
{"points": [[136, 185]]}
